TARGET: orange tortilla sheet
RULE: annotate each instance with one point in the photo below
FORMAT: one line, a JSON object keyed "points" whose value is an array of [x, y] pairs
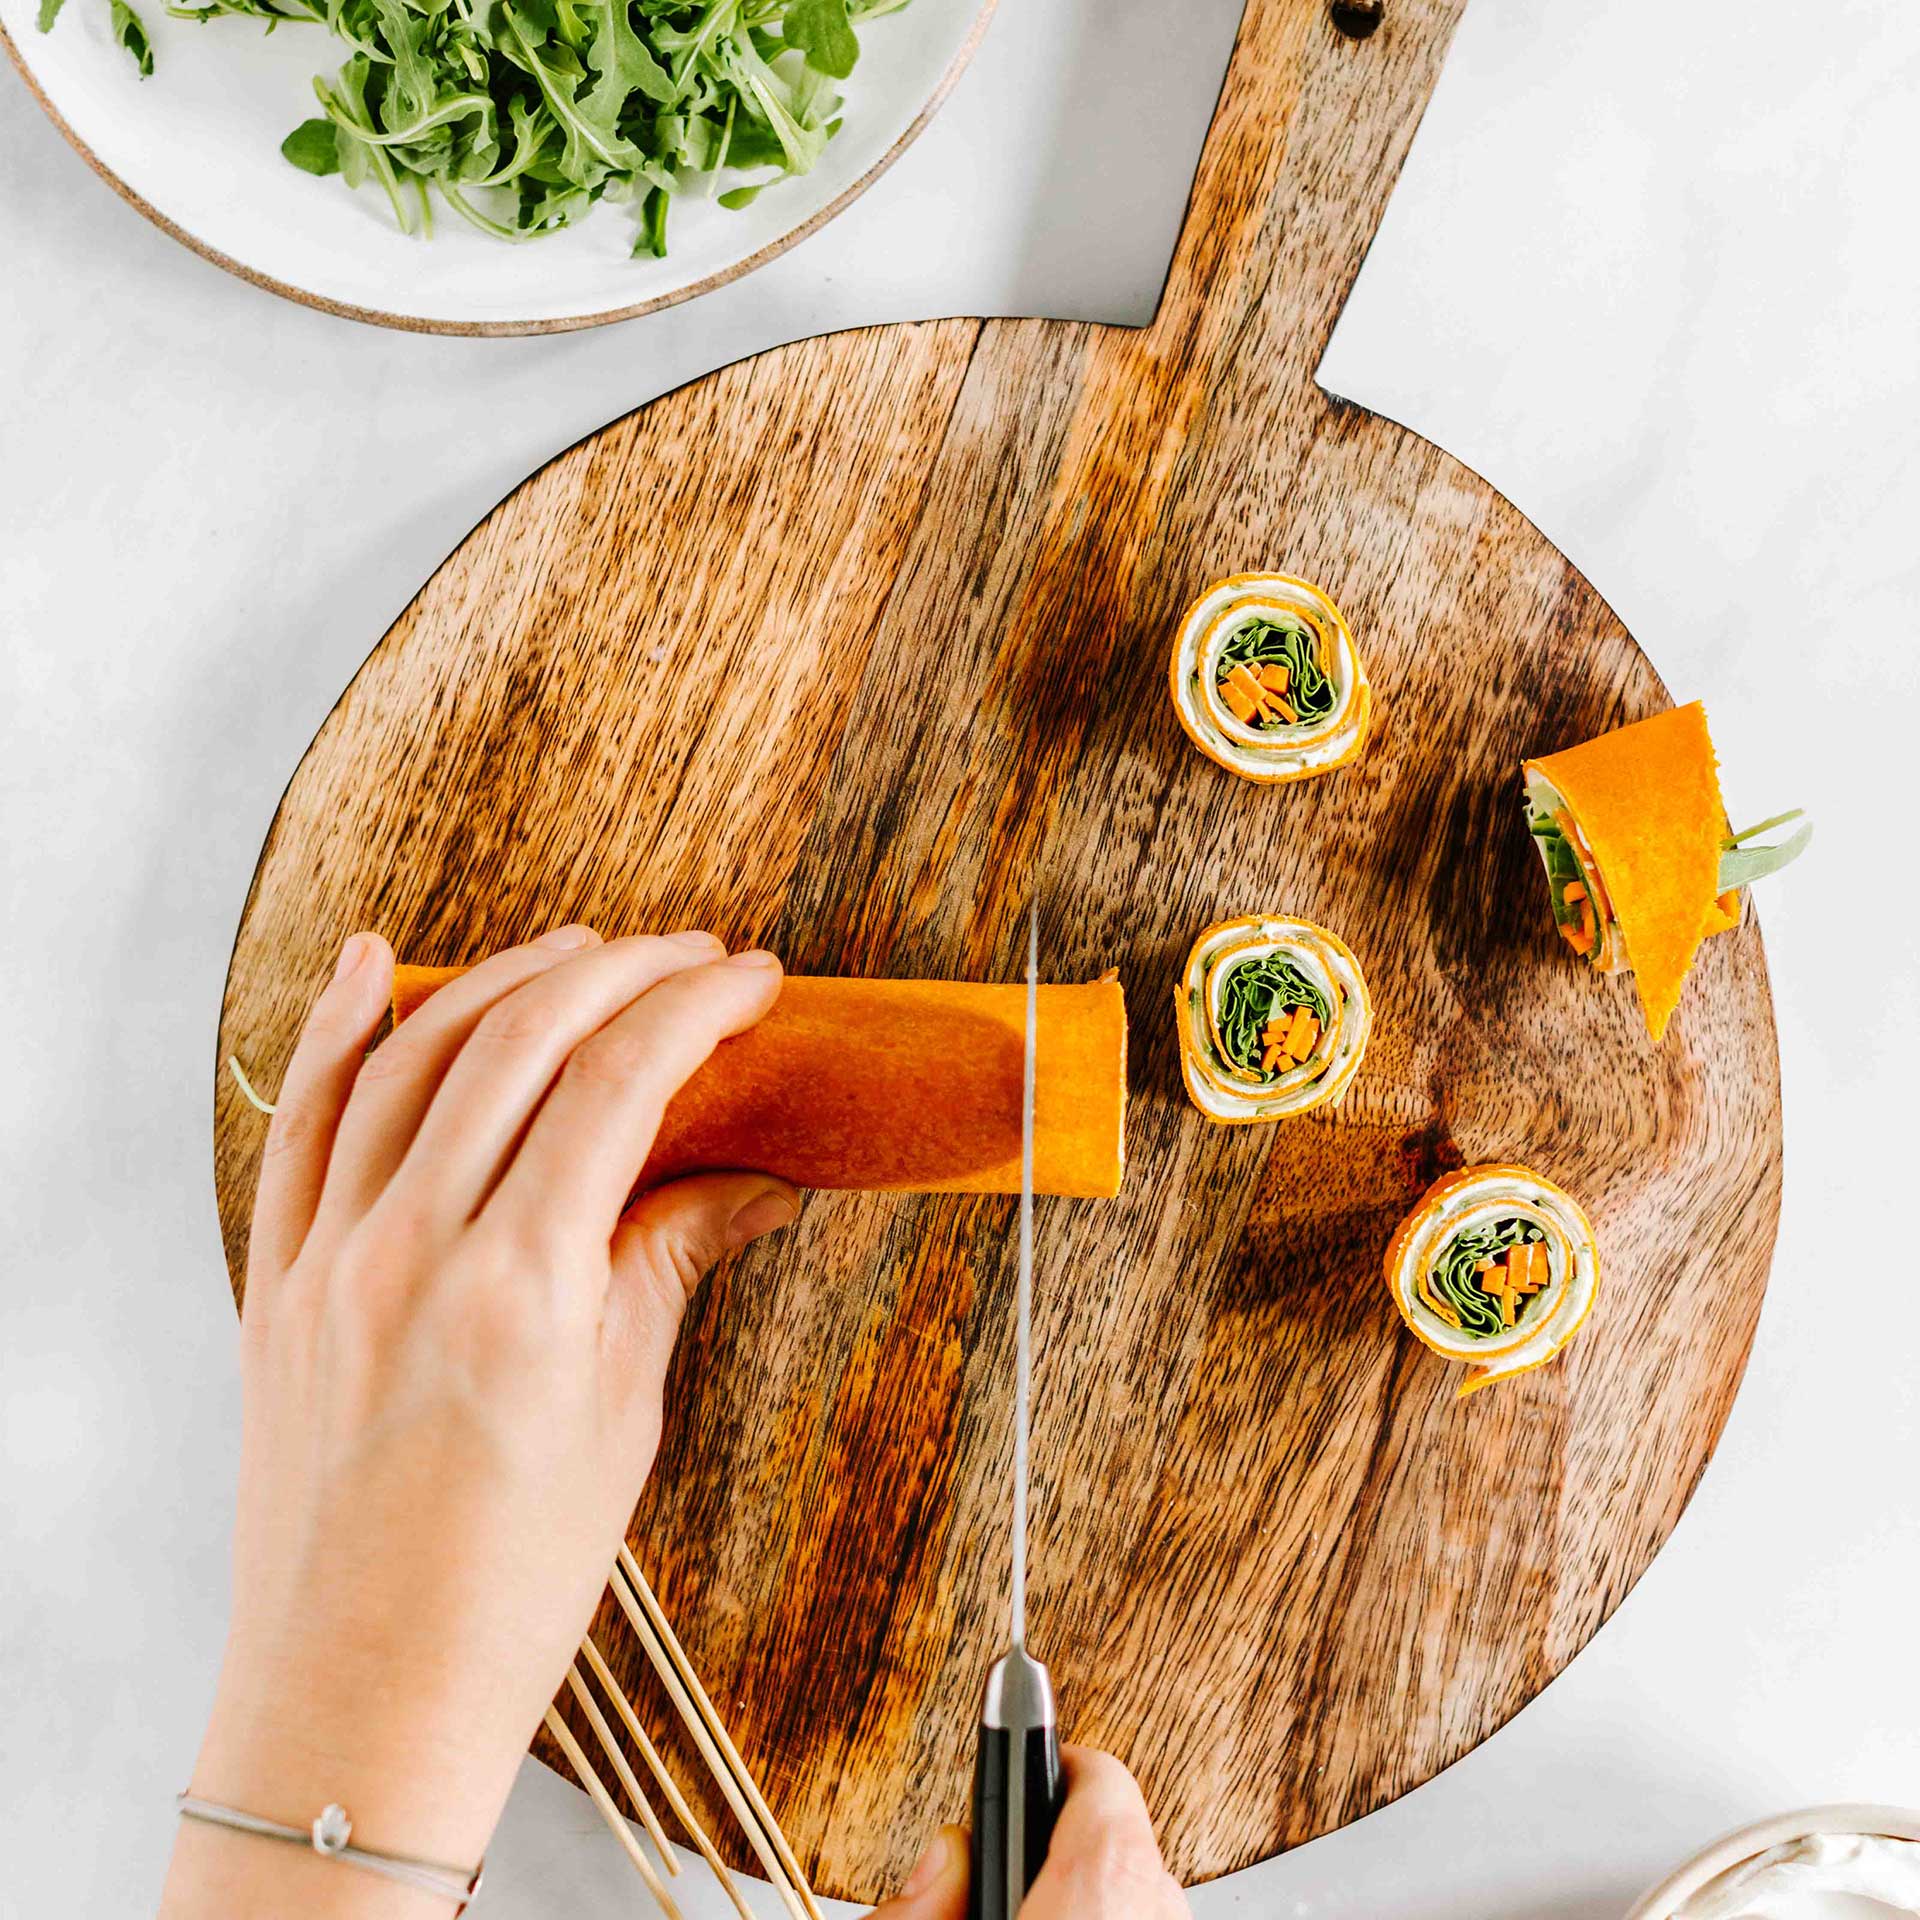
{"points": [[1647, 798], [900, 1085]]}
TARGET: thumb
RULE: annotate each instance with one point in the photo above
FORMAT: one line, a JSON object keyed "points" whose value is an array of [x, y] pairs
{"points": [[937, 1887], [667, 1240]]}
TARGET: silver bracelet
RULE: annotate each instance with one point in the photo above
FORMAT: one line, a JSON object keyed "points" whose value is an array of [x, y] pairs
{"points": [[328, 1837]]}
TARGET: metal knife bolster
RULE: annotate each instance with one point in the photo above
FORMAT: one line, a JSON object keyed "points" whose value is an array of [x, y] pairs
{"points": [[1017, 1785]]}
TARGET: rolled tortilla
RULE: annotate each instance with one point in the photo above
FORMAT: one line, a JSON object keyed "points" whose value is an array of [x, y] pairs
{"points": [[908, 1086], [1267, 681], [1496, 1267], [1273, 1016], [1640, 864]]}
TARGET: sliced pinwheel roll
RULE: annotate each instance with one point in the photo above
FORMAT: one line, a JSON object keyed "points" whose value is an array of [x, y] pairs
{"points": [[1273, 1016], [1267, 681], [1496, 1267], [1640, 863]]}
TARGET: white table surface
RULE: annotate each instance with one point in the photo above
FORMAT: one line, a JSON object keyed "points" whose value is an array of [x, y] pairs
{"points": [[1663, 306]]}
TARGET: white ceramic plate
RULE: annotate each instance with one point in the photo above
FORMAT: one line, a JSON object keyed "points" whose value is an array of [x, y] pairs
{"points": [[1901, 1823], [197, 149]]}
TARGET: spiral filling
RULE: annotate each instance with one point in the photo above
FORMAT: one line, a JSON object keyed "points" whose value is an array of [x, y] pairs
{"points": [[1266, 679], [1489, 1278], [1273, 670], [1273, 1017], [1496, 1267]]}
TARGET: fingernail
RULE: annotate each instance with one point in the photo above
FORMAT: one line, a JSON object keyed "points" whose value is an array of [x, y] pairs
{"points": [[564, 937], [351, 955], [933, 1866], [694, 937], [755, 957], [765, 1213]]}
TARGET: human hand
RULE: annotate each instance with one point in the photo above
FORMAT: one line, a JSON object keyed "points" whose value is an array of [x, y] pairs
{"points": [[454, 1345], [1104, 1863]]}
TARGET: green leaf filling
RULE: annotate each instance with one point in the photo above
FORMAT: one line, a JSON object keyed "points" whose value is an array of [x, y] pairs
{"points": [[1740, 864], [1563, 867], [1255, 992], [1282, 640], [1454, 1280]]}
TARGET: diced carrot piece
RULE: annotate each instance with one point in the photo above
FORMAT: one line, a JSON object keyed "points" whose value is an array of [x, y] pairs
{"points": [[1524, 1266], [1274, 676], [1243, 707], [1507, 1308], [1280, 707], [1483, 1266], [1244, 680], [1577, 937], [1574, 891], [1302, 1034]]}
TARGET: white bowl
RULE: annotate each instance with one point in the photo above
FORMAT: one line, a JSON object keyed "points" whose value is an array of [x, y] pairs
{"points": [[1898, 1823], [196, 148]]}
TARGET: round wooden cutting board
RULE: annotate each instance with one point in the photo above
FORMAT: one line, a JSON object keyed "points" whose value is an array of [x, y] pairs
{"points": [[848, 650]]}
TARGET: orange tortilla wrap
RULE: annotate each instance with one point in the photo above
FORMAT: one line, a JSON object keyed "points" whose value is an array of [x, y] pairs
{"points": [[908, 1086], [1647, 800]]}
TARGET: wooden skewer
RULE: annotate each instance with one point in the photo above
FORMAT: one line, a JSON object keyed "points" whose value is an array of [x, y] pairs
{"points": [[664, 1627], [676, 1800], [618, 1761], [597, 1792], [700, 1728]]}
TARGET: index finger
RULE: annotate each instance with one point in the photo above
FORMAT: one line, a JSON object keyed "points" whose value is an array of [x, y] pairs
{"points": [[575, 1171], [313, 1095]]}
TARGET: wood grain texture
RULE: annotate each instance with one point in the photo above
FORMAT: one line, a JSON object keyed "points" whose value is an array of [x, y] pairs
{"points": [[1275, 1564]]}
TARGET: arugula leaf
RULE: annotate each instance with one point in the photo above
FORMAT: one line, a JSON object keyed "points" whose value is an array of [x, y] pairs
{"points": [[313, 147], [768, 93], [821, 30], [131, 34], [621, 58], [594, 147]]}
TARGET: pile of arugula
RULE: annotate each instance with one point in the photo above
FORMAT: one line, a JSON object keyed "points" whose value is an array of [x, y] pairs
{"points": [[521, 114]]}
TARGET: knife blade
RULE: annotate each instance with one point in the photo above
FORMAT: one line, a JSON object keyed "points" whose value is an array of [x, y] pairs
{"points": [[1017, 1785]]}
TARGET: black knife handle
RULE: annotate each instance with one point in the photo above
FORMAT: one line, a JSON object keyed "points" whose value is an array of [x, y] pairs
{"points": [[1017, 1788]]}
